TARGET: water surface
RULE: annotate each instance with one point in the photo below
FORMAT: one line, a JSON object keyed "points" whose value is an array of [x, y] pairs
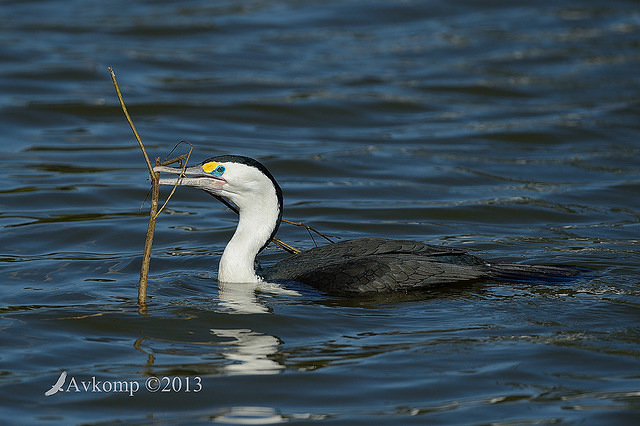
{"points": [[510, 130]]}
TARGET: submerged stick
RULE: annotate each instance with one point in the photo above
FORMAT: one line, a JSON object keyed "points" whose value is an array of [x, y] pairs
{"points": [[155, 194]]}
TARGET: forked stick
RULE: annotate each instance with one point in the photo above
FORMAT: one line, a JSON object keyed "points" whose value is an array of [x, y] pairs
{"points": [[155, 193]]}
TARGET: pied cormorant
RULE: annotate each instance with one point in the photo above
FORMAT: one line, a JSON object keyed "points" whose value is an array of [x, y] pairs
{"points": [[364, 265]]}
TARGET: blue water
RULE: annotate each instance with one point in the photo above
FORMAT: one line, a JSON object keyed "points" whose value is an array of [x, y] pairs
{"points": [[510, 130]]}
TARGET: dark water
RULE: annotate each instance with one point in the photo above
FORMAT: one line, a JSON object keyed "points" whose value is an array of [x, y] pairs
{"points": [[508, 128]]}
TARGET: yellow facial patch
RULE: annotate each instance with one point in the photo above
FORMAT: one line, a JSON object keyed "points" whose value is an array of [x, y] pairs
{"points": [[213, 168]]}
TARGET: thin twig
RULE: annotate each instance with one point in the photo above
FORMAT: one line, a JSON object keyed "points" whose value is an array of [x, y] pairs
{"points": [[287, 247], [176, 159], [310, 229], [166, 163], [133, 128], [173, 190], [179, 159]]}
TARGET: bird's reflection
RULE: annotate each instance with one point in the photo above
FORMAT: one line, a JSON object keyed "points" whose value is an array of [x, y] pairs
{"points": [[250, 352], [240, 298]]}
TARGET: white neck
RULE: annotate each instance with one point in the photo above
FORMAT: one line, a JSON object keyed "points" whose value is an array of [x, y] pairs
{"points": [[258, 217]]}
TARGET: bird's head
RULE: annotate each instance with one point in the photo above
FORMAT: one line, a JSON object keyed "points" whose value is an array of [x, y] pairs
{"points": [[243, 181]]}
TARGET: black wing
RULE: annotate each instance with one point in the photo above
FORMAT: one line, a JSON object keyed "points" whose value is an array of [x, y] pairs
{"points": [[378, 265]]}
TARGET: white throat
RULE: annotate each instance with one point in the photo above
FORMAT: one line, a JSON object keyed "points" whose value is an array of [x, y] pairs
{"points": [[259, 215]]}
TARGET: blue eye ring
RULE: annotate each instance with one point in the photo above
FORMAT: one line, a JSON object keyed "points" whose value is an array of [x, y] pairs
{"points": [[218, 171]]}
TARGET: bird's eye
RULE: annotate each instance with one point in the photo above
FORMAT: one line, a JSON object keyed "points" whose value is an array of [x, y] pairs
{"points": [[219, 171]]}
